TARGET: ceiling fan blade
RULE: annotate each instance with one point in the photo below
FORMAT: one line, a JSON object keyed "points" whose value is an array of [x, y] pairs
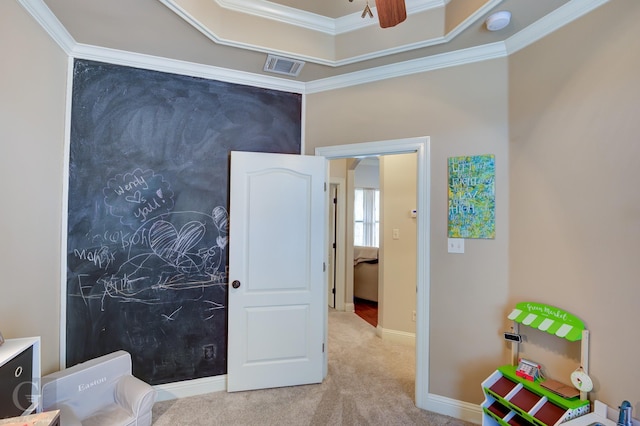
{"points": [[391, 12]]}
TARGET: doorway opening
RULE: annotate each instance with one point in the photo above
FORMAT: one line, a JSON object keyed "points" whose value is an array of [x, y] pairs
{"points": [[420, 146], [366, 184]]}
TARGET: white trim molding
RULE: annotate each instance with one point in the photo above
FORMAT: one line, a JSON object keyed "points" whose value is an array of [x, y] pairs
{"points": [[421, 146], [415, 66], [454, 408], [156, 63], [548, 24], [557, 19], [280, 14], [192, 387], [48, 21], [65, 214], [395, 336], [292, 16]]}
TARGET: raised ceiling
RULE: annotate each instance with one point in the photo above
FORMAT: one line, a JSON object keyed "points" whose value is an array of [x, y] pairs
{"points": [[328, 35]]}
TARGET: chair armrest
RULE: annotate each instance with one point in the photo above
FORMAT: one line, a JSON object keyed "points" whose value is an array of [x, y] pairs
{"points": [[134, 395], [67, 416]]}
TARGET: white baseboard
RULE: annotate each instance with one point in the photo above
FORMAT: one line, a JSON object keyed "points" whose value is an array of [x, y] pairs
{"points": [[193, 387], [454, 408], [349, 307], [401, 337]]}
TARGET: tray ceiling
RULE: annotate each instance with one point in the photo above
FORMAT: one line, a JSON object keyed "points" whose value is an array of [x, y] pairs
{"points": [[329, 36]]}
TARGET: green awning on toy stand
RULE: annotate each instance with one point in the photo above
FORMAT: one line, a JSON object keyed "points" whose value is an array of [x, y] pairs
{"points": [[548, 318]]}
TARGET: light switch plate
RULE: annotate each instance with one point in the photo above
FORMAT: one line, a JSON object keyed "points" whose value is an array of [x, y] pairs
{"points": [[455, 245]]}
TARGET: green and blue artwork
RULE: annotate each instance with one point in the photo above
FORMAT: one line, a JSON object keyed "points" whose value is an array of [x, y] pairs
{"points": [[472, 197]]}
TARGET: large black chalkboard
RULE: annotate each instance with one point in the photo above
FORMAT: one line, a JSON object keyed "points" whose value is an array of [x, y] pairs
{"points": [[147, 212]]}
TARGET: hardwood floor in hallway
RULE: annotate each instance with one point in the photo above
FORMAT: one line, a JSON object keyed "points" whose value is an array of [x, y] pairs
{"points": [[367, 310]]}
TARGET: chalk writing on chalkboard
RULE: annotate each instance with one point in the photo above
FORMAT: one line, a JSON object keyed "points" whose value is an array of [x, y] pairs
{"points": [[148, 222], [170, 263], [137, 196], [158, 256]]}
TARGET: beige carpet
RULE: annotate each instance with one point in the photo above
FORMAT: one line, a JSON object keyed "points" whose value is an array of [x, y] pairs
{"points": [[370, 382]]}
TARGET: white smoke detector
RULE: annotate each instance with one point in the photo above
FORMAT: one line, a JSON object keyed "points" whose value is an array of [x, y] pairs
{"points": [[499, 20]]}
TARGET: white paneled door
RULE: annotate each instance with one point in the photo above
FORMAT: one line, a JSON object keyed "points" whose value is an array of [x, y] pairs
{"points": [[277, 282]]}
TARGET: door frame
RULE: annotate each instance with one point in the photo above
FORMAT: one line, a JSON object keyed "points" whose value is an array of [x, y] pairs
{"points": [[420, 146], [339, 261]]}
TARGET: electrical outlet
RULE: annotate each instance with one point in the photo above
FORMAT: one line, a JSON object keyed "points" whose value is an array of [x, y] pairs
{"points": [[455, 245], [413, 316]]}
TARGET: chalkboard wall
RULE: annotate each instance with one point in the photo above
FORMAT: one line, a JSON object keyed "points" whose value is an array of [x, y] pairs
{"points": [[148, 212]]}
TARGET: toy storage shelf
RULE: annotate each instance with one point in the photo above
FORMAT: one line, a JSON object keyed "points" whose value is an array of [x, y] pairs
{"points": [[512, 400]]}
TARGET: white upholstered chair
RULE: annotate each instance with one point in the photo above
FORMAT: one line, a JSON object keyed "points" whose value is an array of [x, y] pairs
{"points": [[101, 391]]}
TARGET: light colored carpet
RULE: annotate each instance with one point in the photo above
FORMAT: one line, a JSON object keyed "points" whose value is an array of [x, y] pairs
{"points": [[370, 382]]}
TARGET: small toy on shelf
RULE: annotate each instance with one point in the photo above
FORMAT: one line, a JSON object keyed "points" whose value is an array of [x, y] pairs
{"points": [[528, 370]]}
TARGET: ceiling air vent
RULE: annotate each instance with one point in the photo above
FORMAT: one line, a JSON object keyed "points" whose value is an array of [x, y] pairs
{"points": [[280, 65]]}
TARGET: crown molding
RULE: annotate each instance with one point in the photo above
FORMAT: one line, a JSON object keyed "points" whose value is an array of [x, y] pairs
{"points": [[48, 21], [555, 20], [546, 25], [277, 12], [54, 28], [355, 21], [270, 10], [191, 20], [400, 69], [475, 16], [156, 63], [332, 26]]}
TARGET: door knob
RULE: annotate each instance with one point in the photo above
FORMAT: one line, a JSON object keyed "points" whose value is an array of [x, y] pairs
{"points": [[235, 284]]}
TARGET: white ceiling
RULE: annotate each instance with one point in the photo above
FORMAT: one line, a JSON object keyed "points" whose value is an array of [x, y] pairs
{"points": [[328, 35]]}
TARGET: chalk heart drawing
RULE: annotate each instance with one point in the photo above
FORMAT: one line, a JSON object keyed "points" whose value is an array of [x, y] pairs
{"points": [[137, 197], [174, 246], [221, 219]]}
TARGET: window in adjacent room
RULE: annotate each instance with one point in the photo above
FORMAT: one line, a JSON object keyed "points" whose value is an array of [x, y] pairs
{"points": [[366, 214]]}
